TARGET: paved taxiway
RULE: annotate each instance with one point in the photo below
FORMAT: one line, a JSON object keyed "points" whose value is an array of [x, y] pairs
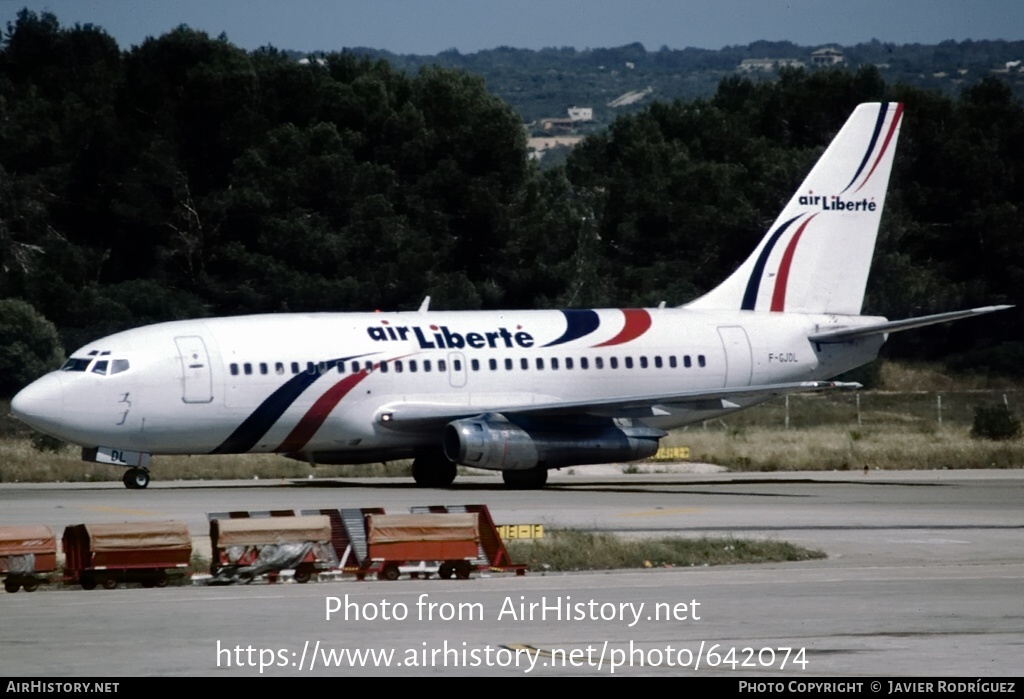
{"points": [[925, 576]]}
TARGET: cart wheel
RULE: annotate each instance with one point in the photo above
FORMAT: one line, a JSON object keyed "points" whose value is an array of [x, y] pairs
{"points": [[446, 571], [30, 585], [302, 575], [88, 582], [161, 580], [462, 570], [390, 572], [109, 583], [148, 583], [11, 585]]}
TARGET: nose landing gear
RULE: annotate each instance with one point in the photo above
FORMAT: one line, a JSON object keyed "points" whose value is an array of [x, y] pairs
{"points": [[136, 478]]}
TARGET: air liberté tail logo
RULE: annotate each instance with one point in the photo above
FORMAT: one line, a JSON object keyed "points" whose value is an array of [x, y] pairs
{"points": [[441, 337], [836, 203]]}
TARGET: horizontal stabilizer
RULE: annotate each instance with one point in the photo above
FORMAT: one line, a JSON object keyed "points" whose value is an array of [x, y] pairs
{"points": [[856, 333]]}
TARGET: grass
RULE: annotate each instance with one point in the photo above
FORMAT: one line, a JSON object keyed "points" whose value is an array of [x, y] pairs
{"points": [[569, 550]]}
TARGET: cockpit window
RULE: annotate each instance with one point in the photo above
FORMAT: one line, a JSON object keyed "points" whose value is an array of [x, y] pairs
{"points": [[100, 367], [76, 364], [118, 365]]}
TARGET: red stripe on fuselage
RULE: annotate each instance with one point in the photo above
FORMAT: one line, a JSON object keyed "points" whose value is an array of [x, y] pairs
{"points": [[782, 278], [315, 416], [637, 322]]}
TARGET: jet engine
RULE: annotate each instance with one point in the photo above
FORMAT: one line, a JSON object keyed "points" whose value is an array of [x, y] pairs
{"points": [[495, 442]]}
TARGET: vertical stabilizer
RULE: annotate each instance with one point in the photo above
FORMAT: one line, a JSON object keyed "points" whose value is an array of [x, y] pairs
{"points": [[816, 256]]}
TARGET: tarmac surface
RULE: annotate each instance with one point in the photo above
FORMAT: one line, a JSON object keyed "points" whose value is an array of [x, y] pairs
{"points": [[924, 577]]}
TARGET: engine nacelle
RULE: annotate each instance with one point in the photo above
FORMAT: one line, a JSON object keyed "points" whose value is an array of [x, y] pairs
{"points": [[496, 443]]}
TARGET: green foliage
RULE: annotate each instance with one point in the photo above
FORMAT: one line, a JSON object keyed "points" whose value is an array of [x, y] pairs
{"points": [[187, 177], [29, 345], [995, 422]]}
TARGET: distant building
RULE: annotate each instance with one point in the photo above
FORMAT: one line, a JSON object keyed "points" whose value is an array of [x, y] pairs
{"points": [[538, 147], [750, 65], [829, 56], [581, 113]]}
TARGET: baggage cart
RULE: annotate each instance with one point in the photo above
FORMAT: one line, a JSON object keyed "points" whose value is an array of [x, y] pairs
{"points": [[148, 553], [245, 548], [451, 540], [28, 555]]}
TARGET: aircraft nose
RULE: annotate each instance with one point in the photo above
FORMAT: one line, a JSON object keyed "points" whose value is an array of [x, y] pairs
{"points": [[41, 403]]}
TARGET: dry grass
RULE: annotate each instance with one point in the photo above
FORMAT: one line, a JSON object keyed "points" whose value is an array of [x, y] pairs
{"points": [[20, 463], [568, 549]]}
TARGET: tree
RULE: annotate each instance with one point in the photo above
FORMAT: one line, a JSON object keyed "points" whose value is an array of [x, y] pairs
{"points": [[29, 345]]}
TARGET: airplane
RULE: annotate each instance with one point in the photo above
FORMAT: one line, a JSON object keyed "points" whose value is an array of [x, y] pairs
{"points": [[519, 392]]}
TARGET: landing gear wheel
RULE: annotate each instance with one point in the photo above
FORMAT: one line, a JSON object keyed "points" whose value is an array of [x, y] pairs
{"points": [[11, 585], [433, 471], [528, 479], [109, 584], [136, 478], [462, 569], [390, 572]]}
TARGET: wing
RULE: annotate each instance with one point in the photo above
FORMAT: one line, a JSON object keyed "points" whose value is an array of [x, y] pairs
{"points": [[426, 417]]}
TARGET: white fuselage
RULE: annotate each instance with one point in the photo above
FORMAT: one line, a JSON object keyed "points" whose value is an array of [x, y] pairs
{"points": [[320, 383]]}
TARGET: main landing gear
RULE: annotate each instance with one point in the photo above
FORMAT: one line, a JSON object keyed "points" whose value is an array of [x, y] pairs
{"points": [[433, 470], [136, 478]]}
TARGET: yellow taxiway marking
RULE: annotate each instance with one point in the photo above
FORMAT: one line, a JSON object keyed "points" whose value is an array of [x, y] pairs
{"points": [[121, 510]]}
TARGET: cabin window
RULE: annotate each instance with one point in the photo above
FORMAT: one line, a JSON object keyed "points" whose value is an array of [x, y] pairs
{"points": [[657, 362], [234, 370], [584, 364], [263, 368], [524, 363], [426, 365], [643, 362], [279, 368], [687, 362], [568, 362], [701, 361], [672, 361], [442, 365], [412, 365], [492, 364], [474, 364], [629, 362], [508, 364], [383, 367], [247, 368], [295, 367], [554, 363], [398, 366], [540, 364], [613, 362], [456, 365]]}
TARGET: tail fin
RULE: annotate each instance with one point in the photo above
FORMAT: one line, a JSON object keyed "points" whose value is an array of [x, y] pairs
{"points": [[816, 256]]}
